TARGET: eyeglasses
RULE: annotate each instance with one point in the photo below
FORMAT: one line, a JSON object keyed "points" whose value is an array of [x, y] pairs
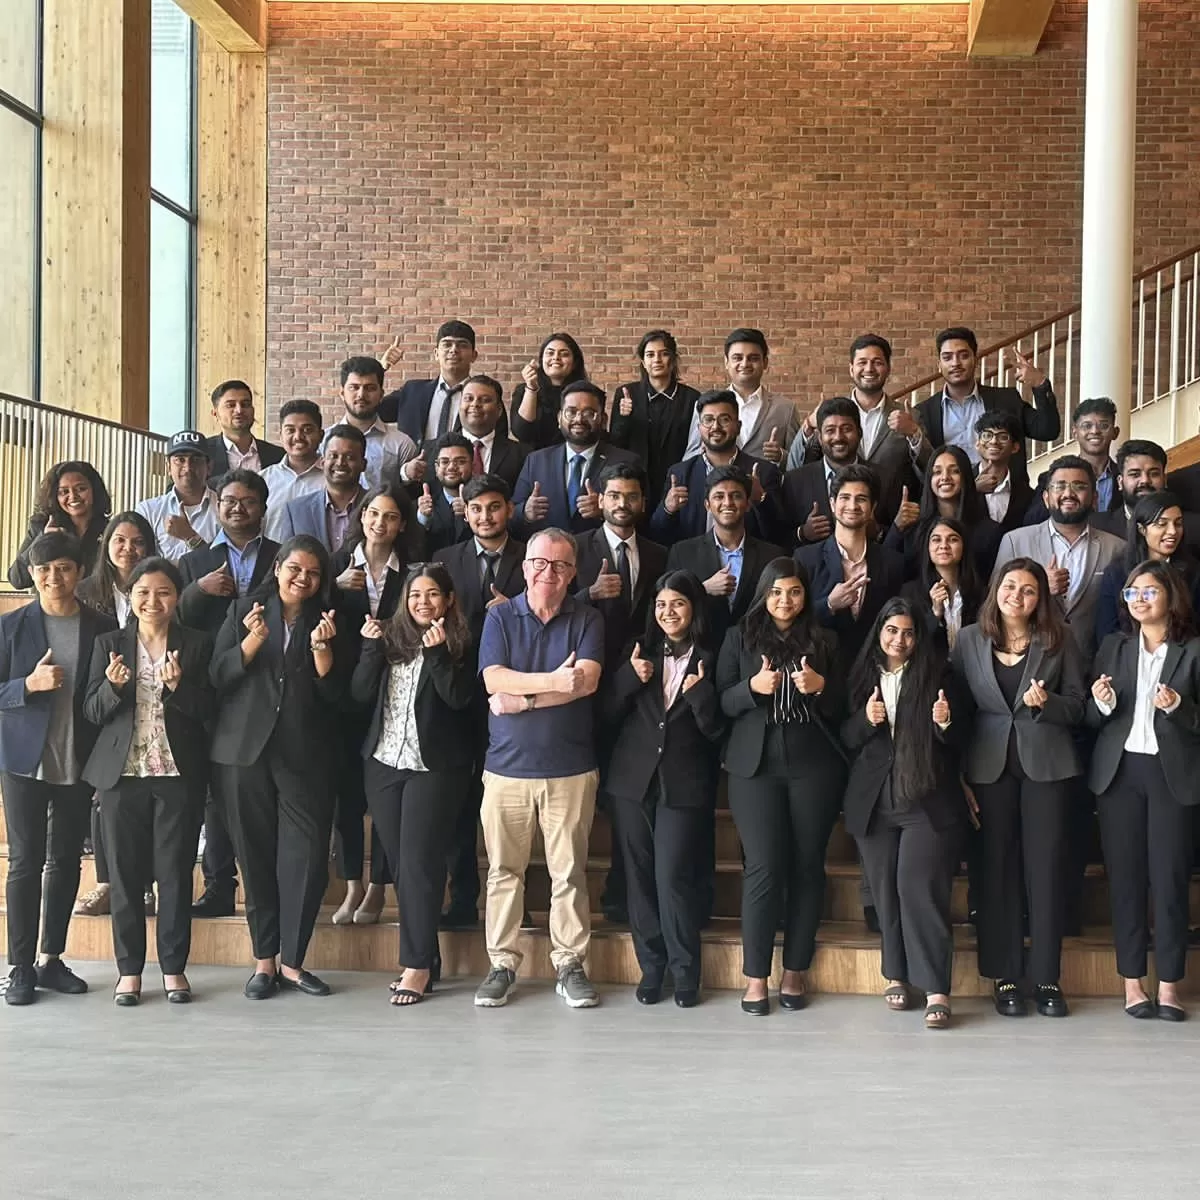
{"points": [[999, 437], [1094, 427], [1079, 488], [1147, 595], [723, 420], [590, 415], [232, 502], [560, 566]]}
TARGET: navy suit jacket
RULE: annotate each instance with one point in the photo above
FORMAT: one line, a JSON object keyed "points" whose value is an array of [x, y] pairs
{"points": [[408, 409], [25, 717], [548, 467], [765, 519], [306, 514]]}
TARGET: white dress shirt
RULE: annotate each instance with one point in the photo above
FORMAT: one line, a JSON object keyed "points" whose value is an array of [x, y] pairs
{"points": [[374, 586], [485, 444], [889, 689], [249, 461], [202, 518], [999, 498], [284, 484], [436, 404], [1142, 738], [1073, 556]]}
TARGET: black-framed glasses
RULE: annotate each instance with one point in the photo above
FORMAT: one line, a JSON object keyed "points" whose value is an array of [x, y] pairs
{"points": [[560, 566]]}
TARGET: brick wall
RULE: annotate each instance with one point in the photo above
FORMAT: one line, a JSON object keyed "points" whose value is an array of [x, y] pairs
{"points": [[814, 171]]}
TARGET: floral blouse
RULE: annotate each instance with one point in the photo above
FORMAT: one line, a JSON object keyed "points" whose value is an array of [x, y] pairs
{"points": [[398, 746], [149, 750]]}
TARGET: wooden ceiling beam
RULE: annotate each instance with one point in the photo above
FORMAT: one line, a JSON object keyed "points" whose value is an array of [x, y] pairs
{"points": [[1006, 28], [239, 26]]}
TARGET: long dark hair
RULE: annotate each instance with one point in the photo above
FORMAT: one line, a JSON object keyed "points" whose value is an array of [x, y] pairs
{"points": [[402, 500], [969, 585], [98, 587], [759, 632], [47, 505], [971, 505], [304, 543], [691, 589], [1045, 626], [913, 774], [1145, 512], [402, 635], [1181, 622], [548, 393]]}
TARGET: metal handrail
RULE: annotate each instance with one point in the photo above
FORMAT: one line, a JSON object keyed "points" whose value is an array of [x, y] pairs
{"points": [[33, 437]]}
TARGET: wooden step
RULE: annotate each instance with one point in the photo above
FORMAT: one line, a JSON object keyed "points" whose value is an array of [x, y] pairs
{"points": [[847, 958]]}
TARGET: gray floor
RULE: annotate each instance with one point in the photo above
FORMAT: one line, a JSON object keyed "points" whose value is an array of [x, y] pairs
{"points": [[347, 1097]]}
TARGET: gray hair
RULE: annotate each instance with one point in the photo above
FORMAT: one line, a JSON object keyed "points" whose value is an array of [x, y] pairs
{"points": [[555, 535]]}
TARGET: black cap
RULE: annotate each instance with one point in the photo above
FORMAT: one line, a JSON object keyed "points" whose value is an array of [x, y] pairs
{"points": [[188, 441]]}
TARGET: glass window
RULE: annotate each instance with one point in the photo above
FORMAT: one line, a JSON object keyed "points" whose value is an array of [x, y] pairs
{"points": [[171, 103], [18, 236], [170, 320], [19, 39]]}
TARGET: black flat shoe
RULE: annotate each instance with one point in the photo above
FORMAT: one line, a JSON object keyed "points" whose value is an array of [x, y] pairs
{"points": [[56, 976], [1050, 1000], [757, 1008], [214, 904], [1143, 1010], [1008, 999], [307, 983], [261, 986], [1168, 1012], [793, 1001], [649, 991], [127, 999], [177, 995], [687, 997]]}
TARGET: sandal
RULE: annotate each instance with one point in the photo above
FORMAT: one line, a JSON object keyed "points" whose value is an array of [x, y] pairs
{"points": [[397, 988], [896, 996], [405, 997], [937, 1016]]}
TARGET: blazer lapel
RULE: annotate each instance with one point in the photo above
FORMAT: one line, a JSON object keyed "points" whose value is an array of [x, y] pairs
{"points": [[1091, 553], [262, 564], [1033, 666], [1174, 654], [763, 412], [984, 670], [508, 566], [678, 702]]}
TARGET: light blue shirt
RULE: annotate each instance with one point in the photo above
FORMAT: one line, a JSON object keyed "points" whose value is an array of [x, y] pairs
{"points": [[241, 562], [958, 423], [732, 559]]}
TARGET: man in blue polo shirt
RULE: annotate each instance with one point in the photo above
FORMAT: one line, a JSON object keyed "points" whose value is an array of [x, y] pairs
{"points": [[539, 658]]}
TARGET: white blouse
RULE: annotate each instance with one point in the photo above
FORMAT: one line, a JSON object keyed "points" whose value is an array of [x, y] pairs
{"points": [[398, 746]]}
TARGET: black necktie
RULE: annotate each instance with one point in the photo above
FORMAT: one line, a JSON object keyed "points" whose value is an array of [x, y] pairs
{"points": [[443, 424], [489, 576], [623, 569]]}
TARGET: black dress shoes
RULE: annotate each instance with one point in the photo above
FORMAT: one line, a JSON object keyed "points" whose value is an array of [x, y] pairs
{"points": [[261, 986], [649, 991], [459, 918], [305, 982], [687, 997], [1143, 1010], [1008, 999], [1168, 1012], [127, 999], [1050, 1000], [756, 1008], [21, 984], [56, 976], [793, 1001], [213, 904]]}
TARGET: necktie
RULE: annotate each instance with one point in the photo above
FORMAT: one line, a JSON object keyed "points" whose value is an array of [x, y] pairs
{"points": [[489, 576], [623, 569], [443, 424], [574, 485], [477, 459]]}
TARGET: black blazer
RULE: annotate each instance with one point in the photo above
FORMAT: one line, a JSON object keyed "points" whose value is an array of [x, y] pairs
{"points": [[805, 486], [1185, 483], [251, 698], [1045, 745], [218, 456], [765, 519], [25, 716], [747, 712], [460, 560], [357, 605], [444, 528], [699, 555], [657, 444], [1040, 420], [1023, 501], [196, 607], [408, 409], [185, 710], [917, 594], [543, 430], [19, 575], [1177, 733], [622, 620], [549, 468], [823, 561], [679, 744], [872, 751], [445, 691], [508, 457], [983, 542]]}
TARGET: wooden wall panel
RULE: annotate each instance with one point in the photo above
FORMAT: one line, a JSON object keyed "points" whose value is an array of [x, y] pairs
{"points": [[96, 208], [231, 285]]}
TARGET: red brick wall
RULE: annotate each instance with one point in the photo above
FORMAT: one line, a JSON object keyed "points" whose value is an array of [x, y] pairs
{"points": [[813, 171]]}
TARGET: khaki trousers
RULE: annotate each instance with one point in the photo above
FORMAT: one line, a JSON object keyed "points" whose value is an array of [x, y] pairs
{"points": [[511, 809]]}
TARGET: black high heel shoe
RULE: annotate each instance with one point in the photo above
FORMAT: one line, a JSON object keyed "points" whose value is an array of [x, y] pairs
{"points": [[181, 995], [127, 999]]}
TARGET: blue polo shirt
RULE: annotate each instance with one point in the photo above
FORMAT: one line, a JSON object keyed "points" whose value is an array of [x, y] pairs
{"points": [[548, 743]]}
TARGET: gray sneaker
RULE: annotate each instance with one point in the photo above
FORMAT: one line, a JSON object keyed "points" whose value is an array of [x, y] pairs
{"points": [[494, 991], [575, 987]]}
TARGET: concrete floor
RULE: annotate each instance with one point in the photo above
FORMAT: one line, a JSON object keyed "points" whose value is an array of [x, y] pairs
{"points": [[347, 1097]]}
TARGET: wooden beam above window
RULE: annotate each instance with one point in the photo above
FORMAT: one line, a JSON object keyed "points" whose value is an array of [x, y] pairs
{"points": [[239, 26]]}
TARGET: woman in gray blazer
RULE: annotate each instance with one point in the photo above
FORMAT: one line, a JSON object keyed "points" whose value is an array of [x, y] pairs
{"points": [[1145, 776], [1025, 676]]}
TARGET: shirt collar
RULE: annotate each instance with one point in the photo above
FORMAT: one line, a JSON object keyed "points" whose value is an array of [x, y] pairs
{"points": [[486, 440], [222, 540], [651, 392], [894, 674], [614, 541], [520, 605], [974, 396], [173, 498], [359, 558], [757, 394], [330, 504], [736, 550], [588, 454], [1152, 655], [866, 412], [287, 466], [379, 428], [480, 549], [231, 446]]}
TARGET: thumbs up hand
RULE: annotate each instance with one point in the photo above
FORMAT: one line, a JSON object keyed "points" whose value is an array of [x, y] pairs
{"points": [[458, 505], [806, 681], [643, 668], [900, 420], [876, 709], [765, 681], [569, 679], [588, 502], [498, 597], [626, 406], [908, 513], [690, 681], [607, 585], [392, 355], [816, 528], [757, 491], [414, 470], [1058, 577], [941, 709], [773, 449], [676, 497], [537, 507], [45, 677], [218, 583], [425, 502]]}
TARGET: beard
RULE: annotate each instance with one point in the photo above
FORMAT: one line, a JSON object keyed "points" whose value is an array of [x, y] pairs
{"points": [[1078, 517]]}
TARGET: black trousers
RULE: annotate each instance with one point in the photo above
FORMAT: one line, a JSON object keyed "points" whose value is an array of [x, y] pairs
{"points": [[219, 861], [462, 857], [784, 822], [47, 824], [150, 828], [911, 869], [662, 849], [100, 854], [1147, 845], [280, 813], [1023, 861], [415, 813]]}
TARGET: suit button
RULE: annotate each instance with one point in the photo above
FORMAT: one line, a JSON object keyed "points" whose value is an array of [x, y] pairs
{"points": [[660, 724]]}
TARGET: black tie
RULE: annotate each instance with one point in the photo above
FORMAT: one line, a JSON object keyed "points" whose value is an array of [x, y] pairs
{"points": [[489, 576], [443, 424], [625, 573]]}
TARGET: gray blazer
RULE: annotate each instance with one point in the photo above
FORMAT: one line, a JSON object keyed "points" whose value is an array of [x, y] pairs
{"points": [[775, 413], [1045, 746], [1033, 541]]}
